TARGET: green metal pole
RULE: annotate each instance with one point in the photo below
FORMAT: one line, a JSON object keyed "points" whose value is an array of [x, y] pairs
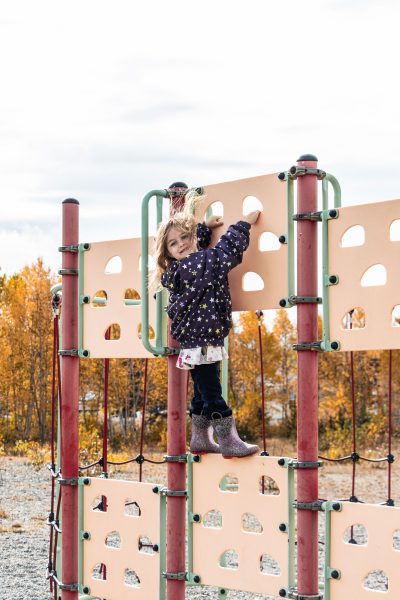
{"points": [[158, 349]]}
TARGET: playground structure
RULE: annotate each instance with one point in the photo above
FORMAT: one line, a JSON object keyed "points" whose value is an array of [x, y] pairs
{"points": [[96, 299]]}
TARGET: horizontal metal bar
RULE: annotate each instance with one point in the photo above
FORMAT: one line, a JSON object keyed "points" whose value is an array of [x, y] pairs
{"points": [[182, 458], [313, 505], [308, 216], [72, 248], [181, 575], [69, 481]]}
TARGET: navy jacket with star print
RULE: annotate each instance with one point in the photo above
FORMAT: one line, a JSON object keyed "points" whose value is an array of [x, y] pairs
{"points": [[200, 306]]}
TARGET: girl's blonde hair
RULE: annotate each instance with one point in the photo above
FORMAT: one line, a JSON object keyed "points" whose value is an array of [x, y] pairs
{"points": [[183, 220]]}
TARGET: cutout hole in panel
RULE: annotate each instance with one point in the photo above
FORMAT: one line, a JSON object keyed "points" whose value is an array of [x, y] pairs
{"points": [[113, 332], [229, 483], [354, 319], [152, 335], [356, 534], [113, 266], [216, 209], [99, 299], [151, 263], [132, 508], [99, 571], [131, 294], [131, 578], [354, 236], [251, 524], [374, 275], [229, 559], [252, 282], [251, 203], [376, 581], [396, 539], [395, 231], [268, 242], [268, 486], [396, 316], [213, 518], [145, 545], [99, 504], [113, 540], [269, 566]]}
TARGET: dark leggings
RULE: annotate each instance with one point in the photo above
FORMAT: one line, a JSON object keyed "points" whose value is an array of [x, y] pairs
{"points": [[207, 397]]}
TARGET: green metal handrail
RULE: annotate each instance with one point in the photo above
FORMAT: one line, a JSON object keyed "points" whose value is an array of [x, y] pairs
{"points": [[159, 349]]}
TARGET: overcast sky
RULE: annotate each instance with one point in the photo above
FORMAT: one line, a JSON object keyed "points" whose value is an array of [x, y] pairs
{"points": [[103, 101]]}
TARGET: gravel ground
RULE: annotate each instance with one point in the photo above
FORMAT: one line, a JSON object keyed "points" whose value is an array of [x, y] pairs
{"points": [[24, 506]]}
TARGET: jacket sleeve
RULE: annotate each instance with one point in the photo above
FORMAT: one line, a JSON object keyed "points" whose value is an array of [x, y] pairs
{"points": [[203, 235], [229, 250]]}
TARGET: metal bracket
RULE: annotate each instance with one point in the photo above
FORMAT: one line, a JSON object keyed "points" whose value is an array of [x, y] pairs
{"points": [[295, 172], [71, 587], [181, 458], [68, 272], [305, 300], [308, 346], [293, 595], [84, 353], [72, 248], [305, 464], [308, 216], [166, 492], [182, 575], [69, 481], [314, 505]]}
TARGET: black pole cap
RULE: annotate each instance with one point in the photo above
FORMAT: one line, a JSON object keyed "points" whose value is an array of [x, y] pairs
{"points": [[307, 157], [178, 184], [70, 201]]}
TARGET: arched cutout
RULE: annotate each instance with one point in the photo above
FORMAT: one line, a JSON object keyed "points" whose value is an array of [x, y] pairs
{"points": [[356, 534], [145, 545], [396, 316], [268, 242], [99, 504], [376, 581], [113, 332], [216, 209], [353, 236], [113, 540], [132, 508], [151, 263], [131, 294], [251, 203], [396, 539], [99, 299], [269, 566], [354, 319], [151, 333], [268, 486], [113, 266], [252, 282], [374, 276], [395, 231], [131, 578], [229, 559], [250, 523], [229, 483], [99, 571], [213, 518]]}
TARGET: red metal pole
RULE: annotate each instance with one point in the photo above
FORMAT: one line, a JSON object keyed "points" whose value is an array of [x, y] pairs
{"points": [[69, 405], [307, 393], [176, 444]]}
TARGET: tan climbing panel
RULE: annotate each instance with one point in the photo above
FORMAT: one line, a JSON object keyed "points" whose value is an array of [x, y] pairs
{"points": [[269, 265], [370, 568], [374, 262], [121, 258], [132, 519], [239, 525]]}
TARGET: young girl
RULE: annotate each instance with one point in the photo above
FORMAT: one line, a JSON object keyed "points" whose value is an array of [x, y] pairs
{"points": [[201, 317]]}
